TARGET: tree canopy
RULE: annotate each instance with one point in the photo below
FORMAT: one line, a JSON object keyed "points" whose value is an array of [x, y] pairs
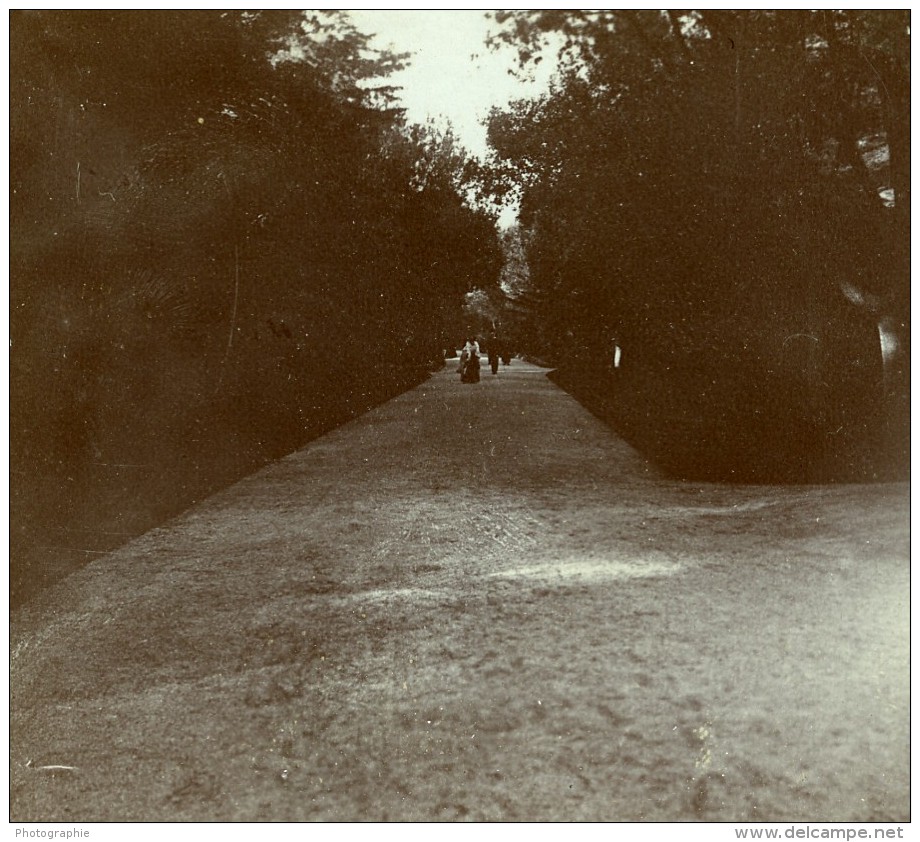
{"points": [[688, 162], [725, 195], [224, 234]]}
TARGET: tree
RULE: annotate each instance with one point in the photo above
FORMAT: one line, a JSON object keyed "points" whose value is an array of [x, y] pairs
{"points": [[737, 138], [705, 185], [221, 245]]}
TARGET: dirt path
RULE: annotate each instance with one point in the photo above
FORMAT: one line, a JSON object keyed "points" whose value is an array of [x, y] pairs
{"points": [[476, 602]]}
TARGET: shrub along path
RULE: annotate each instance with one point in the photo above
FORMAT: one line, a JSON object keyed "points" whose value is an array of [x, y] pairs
{"points": [[476, 602]]}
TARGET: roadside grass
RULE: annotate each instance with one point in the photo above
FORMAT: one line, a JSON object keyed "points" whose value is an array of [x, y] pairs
{"points": [[63, 517], [732, 429]]}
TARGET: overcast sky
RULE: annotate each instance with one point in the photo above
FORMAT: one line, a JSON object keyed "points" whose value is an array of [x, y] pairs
{"points": [[453, 74]]}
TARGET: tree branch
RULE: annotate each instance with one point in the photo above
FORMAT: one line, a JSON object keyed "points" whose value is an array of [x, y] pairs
{"points": [[679, 36]]}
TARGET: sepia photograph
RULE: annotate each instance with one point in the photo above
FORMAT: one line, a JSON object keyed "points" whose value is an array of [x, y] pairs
{"points": [[460, 416]]}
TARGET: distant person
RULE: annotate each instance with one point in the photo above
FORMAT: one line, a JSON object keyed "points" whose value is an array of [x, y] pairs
{"points": [[494, 352], [469, 361]]}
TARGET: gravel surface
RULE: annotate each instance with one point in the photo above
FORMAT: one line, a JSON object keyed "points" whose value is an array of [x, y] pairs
{"points": [[476, 602]]}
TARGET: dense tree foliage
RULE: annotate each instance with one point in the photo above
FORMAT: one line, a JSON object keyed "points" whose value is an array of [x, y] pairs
{"points": [[726, 194], [221, 243]]}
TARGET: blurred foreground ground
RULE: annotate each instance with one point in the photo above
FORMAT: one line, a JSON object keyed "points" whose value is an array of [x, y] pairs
{"points": [[477, 602]]}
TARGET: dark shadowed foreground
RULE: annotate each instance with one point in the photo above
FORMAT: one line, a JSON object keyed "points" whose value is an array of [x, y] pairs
{"points": [[476, 602]]}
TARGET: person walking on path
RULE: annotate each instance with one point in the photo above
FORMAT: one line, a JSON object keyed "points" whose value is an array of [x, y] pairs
{"points": [[494, 352], [469, 361]]}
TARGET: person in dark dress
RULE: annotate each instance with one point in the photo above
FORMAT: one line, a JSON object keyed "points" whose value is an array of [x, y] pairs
{"points": [[469, 373], [494, 352]]}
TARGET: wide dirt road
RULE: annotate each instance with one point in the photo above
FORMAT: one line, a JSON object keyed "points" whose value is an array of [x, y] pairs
{"points": [[477, 603]]}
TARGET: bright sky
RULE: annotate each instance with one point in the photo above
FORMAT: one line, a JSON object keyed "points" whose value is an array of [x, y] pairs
{"points": [[453, 74]]}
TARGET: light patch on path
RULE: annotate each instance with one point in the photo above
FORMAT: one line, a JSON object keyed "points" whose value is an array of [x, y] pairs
{"points": [[386, 594], [710, 511], [591, 570]]}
